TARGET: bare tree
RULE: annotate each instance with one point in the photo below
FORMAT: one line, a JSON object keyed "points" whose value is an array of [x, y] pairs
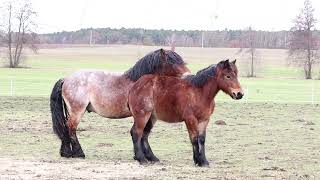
{"points": [[303, 48], [19, 30], [9, 34], [249, 51]]}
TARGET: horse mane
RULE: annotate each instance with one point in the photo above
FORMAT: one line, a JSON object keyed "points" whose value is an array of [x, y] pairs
{"points": [[202, 76], [150, 63]]}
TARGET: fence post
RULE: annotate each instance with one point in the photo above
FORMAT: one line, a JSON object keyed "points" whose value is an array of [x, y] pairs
{"points": [[11, 87], [246, 94], [312, 94]]}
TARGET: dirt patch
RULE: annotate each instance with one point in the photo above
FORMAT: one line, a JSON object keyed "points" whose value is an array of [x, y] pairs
{"points": [[28, 169], [274, 168]]}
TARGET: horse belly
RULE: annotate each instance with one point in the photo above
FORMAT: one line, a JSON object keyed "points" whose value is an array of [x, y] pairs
{"points": [[110, 98], [169, 119], [167, 116], [115, 107]]}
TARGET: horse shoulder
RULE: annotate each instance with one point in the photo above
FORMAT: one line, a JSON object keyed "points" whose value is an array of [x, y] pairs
{"points": [[194, 104], [208, 110]]}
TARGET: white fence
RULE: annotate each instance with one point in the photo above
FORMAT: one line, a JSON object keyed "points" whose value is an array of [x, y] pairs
{"points": [[305, 92]]}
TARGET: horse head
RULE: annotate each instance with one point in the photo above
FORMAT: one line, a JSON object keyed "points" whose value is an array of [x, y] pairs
{"points": [[227, 79]]}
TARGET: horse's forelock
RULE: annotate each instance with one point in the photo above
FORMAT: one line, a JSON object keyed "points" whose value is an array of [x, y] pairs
{"points": [[230, 66]]}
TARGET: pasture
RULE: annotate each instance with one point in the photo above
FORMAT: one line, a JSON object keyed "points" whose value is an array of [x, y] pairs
{"points": [[272, 133]]}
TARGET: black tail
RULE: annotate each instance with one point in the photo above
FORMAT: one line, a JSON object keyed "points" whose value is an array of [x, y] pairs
{"points": [[59, 112]]}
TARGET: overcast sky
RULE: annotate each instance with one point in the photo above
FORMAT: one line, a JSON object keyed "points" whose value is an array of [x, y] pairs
{"points": [[58, 15]]}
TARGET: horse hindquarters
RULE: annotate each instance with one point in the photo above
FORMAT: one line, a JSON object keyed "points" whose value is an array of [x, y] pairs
{"points": [[66, 113], [76, 98]]}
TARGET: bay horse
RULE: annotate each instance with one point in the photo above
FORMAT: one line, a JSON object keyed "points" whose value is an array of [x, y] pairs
{"points": [[189, 99], [104, 93]]}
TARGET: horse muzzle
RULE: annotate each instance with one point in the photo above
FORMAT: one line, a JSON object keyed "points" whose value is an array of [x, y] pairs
{"points": [[237, 95]]}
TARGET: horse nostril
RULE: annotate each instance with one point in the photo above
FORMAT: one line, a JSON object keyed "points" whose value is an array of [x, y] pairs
{"points": [[239, 95], [234, 94]]}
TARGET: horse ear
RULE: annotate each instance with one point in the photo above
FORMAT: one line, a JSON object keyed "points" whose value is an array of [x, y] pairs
{"points": [[226, 64], [234, 62], [163, 54]]}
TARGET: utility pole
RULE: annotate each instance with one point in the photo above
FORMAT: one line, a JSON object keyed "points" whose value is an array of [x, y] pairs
{"points": [[91, 37], [202, 39]]}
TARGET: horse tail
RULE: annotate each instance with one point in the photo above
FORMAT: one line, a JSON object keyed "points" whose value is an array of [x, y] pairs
{"points": [[59, 112]]}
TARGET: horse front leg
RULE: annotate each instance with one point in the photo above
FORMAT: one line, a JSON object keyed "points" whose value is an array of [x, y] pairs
{"points": [[197, 137], [202, 160]]}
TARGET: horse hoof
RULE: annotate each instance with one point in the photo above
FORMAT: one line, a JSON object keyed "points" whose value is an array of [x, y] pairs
{"points": [[79, 156], [153, 159], [203, 164], [141, 160], [66, 154], [78, 153]]}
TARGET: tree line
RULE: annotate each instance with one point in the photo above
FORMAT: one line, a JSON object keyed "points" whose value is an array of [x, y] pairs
{"points": [[192, 38]]}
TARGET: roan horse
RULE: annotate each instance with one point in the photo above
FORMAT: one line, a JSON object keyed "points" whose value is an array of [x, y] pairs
{"points": [[103, 93], [173, 100]]}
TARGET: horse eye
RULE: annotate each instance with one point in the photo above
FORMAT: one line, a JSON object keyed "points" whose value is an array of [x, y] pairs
{"points": [[228, 77]]}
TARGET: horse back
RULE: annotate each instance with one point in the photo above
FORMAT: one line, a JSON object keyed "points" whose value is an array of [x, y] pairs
{"points": [[98, 91]]}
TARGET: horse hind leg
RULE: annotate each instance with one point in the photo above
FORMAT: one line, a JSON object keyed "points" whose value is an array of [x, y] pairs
{"points": [[145, 143], [65, 149], [74, 120], [136, 132]]}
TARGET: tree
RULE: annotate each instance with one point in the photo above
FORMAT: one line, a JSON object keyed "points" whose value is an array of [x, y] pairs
{"points": [[248, 49], [19, 30], [303, 47]]}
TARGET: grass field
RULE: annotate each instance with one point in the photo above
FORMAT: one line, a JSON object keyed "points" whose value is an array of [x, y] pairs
{"points": [[271, 134], [276, 82], [254, 144]]}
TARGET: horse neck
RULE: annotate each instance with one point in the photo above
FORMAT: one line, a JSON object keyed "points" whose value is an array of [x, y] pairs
{"points": [[210, 89]]}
